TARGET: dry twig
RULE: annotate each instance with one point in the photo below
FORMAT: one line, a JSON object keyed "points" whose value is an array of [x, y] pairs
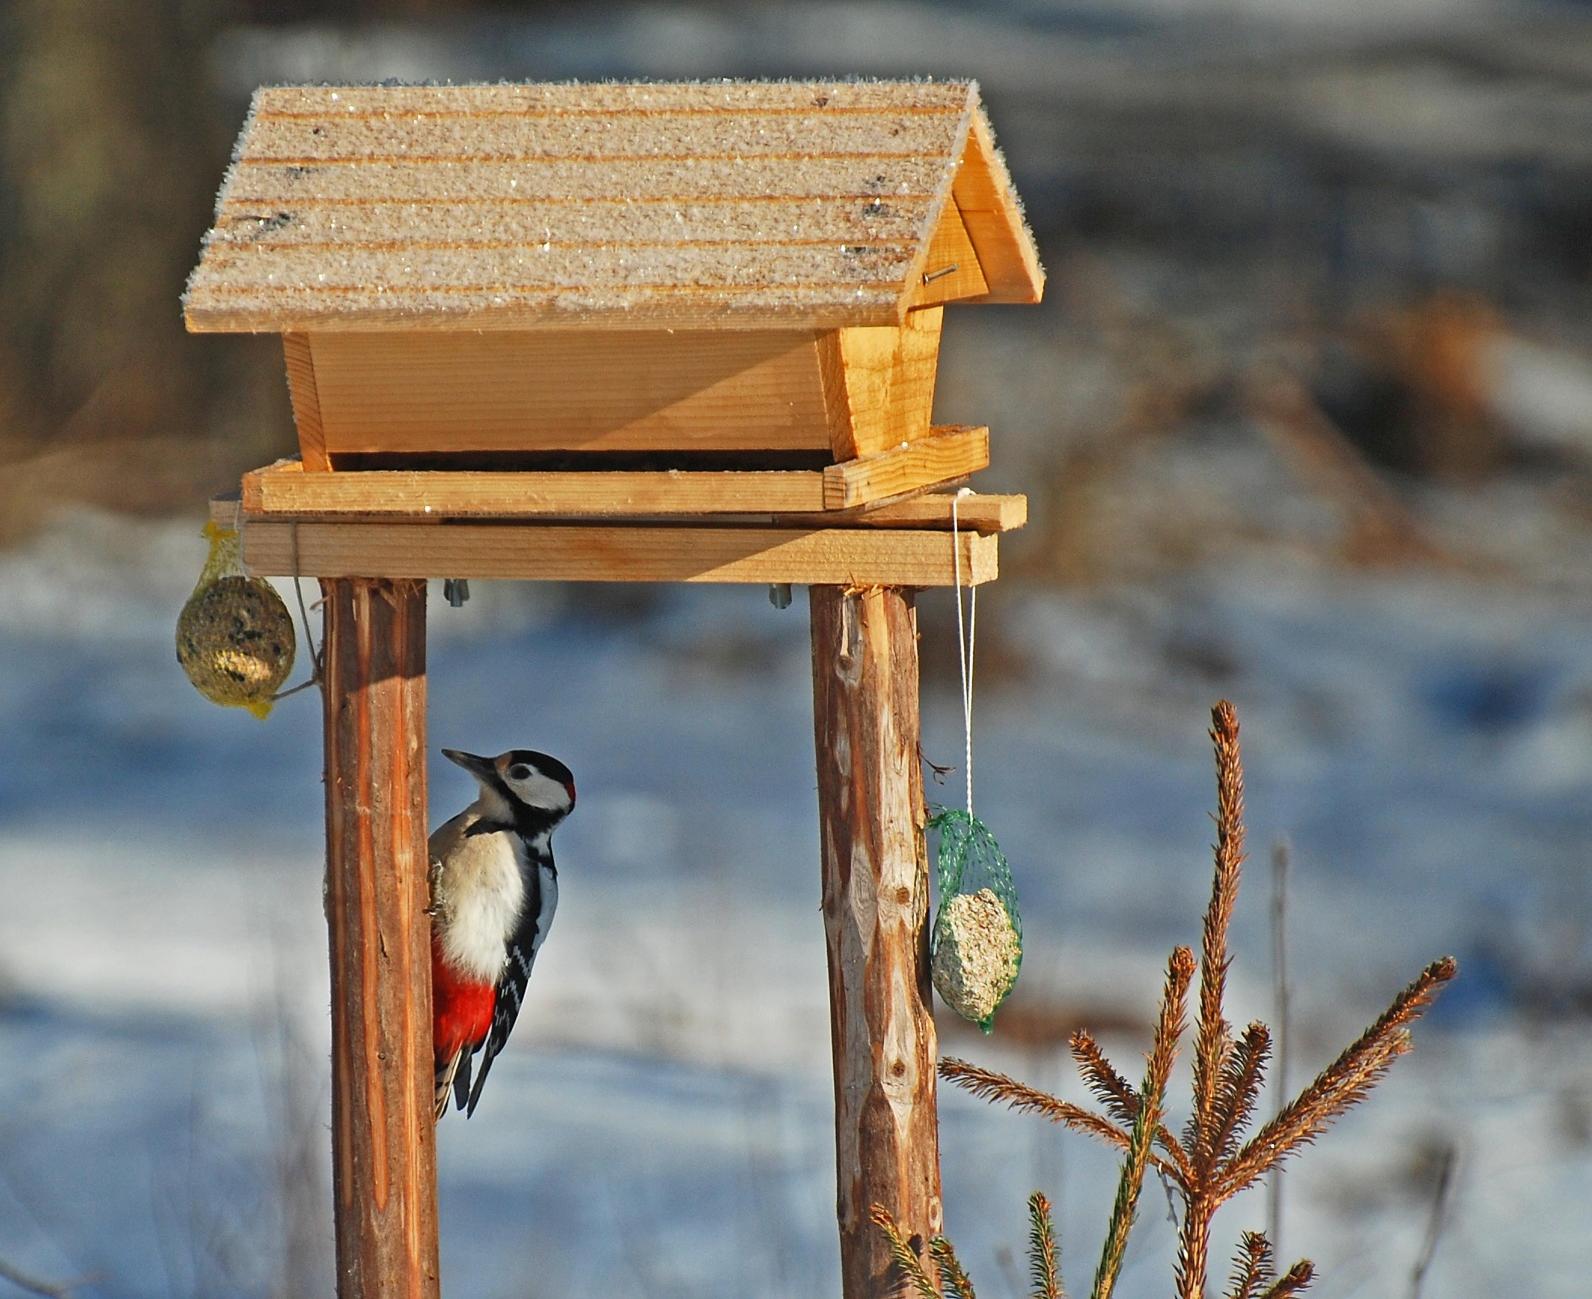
{"points": [[1280, 854], [1434, 1224], [33, 1285]]}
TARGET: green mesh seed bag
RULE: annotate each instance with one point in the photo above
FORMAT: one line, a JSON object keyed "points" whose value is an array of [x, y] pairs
{"points": [[977, 945]]}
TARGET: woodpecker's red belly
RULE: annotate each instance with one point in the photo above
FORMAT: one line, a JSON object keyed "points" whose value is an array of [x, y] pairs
{"points": [[461, 1008]]}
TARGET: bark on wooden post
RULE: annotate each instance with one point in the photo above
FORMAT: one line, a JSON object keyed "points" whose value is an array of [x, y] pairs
{"points": [[384, 1167], [875, 904]]}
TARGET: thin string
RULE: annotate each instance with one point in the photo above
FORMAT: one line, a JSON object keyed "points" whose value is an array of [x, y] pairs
{"points": [[317, 648], [316, 652], [964, 641]]}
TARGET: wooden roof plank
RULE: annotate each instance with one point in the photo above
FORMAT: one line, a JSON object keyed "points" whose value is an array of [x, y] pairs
{"points": [[596, 98], [589, 225], [907, 183], [635, 137], [530, 267], [487, 309]]}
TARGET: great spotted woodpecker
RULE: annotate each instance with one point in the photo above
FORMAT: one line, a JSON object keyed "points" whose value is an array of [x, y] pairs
{"points": [[493, 893]]}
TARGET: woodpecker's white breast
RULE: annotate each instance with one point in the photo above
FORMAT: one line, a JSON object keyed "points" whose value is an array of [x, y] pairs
{"points": [[478, 890]]}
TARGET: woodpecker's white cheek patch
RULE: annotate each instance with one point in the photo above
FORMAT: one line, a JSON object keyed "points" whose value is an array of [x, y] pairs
{"points": [[483, 893], [540, 791]]}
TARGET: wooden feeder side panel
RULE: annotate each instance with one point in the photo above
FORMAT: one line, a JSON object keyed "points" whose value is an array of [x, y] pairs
{"points": [[283, 492], [878, 383], [951, 267], [306, 400], [413, 393], [621, 553], [286, 491]]}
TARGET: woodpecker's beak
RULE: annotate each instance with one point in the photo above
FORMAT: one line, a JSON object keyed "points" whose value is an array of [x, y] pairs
{"points": [[480, 768]]}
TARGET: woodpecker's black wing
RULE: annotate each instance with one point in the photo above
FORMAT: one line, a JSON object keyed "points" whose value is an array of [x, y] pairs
{"points": [[541, 897]]}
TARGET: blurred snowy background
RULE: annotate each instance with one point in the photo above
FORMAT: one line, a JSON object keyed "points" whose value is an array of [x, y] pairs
{"points": [[1306, 421]]}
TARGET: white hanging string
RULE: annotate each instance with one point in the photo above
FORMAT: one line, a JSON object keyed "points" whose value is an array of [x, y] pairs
{"points": [[317, 653], [965, 631]]}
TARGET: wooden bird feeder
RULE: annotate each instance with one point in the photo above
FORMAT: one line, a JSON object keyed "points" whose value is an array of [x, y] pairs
{"points": [[615, 332]]}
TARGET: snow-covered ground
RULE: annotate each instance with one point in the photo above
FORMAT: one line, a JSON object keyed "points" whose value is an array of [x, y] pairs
{"points": [[660, 1123]]}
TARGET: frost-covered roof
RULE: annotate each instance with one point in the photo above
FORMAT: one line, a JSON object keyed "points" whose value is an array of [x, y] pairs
{"points": [[696, 205]]}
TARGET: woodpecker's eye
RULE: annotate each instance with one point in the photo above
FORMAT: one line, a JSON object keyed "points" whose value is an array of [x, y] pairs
{"points": [[519, 771]]}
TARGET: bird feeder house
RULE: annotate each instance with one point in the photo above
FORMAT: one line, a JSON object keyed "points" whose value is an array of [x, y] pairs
{"points": [[611, 332]]}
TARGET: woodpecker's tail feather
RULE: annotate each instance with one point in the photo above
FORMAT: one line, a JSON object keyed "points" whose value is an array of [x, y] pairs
{"points": [[480, 1082], [444, 1079], [461, 1084]]}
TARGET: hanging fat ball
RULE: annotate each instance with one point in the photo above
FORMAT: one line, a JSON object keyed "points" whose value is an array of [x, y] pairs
{"points": [[977, 953], [978, 935], [235, 642], [235, 635]]}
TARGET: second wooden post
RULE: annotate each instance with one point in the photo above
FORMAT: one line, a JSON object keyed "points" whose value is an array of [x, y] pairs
{"points": [[384, 1153], [875, 906]]}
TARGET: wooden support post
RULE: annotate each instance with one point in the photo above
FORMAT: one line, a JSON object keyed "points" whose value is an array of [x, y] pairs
{"points": [[875, 904], [384, 1165]]}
